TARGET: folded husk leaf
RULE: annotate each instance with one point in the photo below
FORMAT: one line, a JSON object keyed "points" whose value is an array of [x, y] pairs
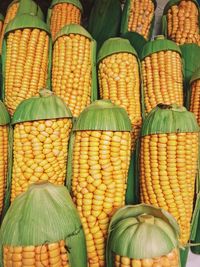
{"points": [[104, 116], [4, 115], [44, 214], [125, 17], [169, 119], [29, 7], [130, 238], [78, 29], [104, 21]]}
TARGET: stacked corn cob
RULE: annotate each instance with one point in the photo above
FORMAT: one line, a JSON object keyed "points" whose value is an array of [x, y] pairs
{"points": [[62, 13], [183, 21]]}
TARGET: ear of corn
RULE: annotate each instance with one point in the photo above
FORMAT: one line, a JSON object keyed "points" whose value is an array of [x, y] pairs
{"points": [[62, 13], [41, 132], [194, 95], [19, 7], [25, 59], [100, 162], [119, 79], [24, 242], [4, 145], [138, 16], [181, 21], [105, 13], [134, 235], [74, 68], [168, 163], [162, 73]]}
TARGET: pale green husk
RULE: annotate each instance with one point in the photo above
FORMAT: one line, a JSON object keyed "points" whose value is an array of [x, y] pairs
{"points": [[43, 107], [4, 115], [129, 237], [169, 119], [105, 116], [44, 214]]}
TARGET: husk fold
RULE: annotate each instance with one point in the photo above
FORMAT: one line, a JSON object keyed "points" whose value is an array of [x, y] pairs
{"points": [[132, 236], [29, 7], [44, 214], [4, 115]]}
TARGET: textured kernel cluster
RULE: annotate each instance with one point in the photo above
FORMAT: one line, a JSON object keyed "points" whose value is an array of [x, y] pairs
{"points": [[72, 71], [99, 184], [64, 14], [119, 81], [162, 79], [195, 100], [40, 153], [170, 260], [140, 17], [183, 23], [26, 66], [168, 168], [46, 255]]}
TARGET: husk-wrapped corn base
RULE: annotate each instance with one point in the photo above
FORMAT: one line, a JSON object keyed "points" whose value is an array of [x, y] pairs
{"points": [[168, 165], [64, 13], [25, 62], [99, 173], [162, 73], [183, 22], [119, 79], [72, 67]]}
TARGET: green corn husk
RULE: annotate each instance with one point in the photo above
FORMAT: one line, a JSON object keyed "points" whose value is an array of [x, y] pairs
{"points": [[104, 21], [77, 29], [190, 54], [131, 237], [22, 22], [44, 214], [125, 17], [46, 106]]}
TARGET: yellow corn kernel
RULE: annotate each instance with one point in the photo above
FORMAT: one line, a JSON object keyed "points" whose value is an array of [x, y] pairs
{"points": [[195, 99]]}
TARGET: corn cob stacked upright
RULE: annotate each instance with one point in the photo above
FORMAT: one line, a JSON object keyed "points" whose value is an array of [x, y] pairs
{"points": [[74, 67], [168, 162], [100, 163], [162, 73], [62, 13], [119, 79], [25, 59], [42, 126]]}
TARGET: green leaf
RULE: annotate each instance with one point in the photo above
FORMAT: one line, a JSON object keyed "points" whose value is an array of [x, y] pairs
{"points": [[29, 7], [4, 115]]}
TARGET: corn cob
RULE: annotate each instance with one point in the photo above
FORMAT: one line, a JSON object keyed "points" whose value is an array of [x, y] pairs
{"points": [[168, 167], [119, 81], [99, 180], [140, 16], [171, 259], [162, 77], [183, 22], [64, 14], [40, 153], [195, 99], [72, 69], [26, 65], [52, 255], [10, 14]]}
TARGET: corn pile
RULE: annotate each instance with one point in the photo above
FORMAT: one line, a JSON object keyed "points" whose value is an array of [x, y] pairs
{"points": [[162, 75], [10, 14], [64, 13], [168, 167], [26, 64], [183, 22], [140, 17], [195, 97], [72, 68], [119, 80], [171, 259], [52, 255]]}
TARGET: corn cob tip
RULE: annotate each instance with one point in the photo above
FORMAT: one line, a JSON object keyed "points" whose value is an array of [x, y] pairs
{"points": [[145, 218]]}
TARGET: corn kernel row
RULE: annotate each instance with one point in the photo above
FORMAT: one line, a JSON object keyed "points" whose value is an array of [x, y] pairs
{"points": [[40, 153], [100, 167], [195, 99], [183, 23], [49, 255], [168, 167]]}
